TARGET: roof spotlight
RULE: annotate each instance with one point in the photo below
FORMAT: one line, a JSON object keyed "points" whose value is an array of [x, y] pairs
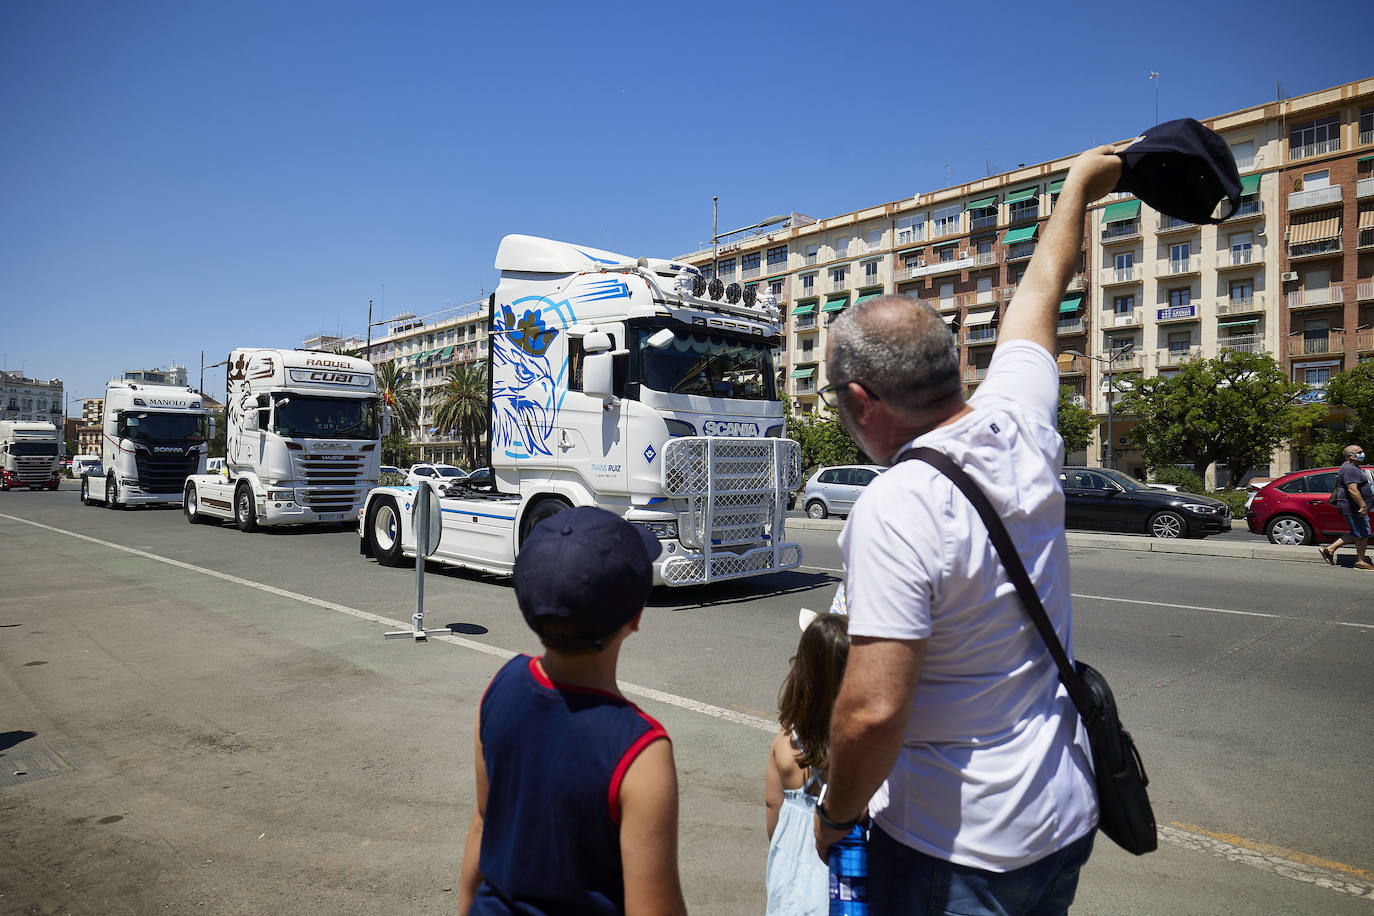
{"points": [[732, 293], [698, 286], [716, 288]]}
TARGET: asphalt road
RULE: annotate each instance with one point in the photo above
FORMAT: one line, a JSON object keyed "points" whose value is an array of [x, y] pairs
{"points": [[210, 720]]}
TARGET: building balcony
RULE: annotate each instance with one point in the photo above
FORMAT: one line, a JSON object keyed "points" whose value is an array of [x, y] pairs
{"points": [[1317, 197], [1240, 257], [1121, 232], [1020, 251], [1366, 136], [1077, 284], [1008, 292], [1364, 342], [871, 281], [1180, 267], [911, 235], [1132, 319], [1131, 362], [810, 260], [1321, 248], [1065, 328], [1073, 365], [1169, 357], [1167, 224], [1249, 305], [751, 273], [975, 374], [983, 258], [1364, 292], [804, 386], [1364, 187], [1314, 149], [1248, 208], [945, 230], [986, 297], [836, 285], [1114, 276], [1250, 343], [1316, 346], [947, 305], [1245, 163], [983, 335], [1365, 239], [804, 322], [977, 223], [1316, 298], [911, 270], [1023, 214]]}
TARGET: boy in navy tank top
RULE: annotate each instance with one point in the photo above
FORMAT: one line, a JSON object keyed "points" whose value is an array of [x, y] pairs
{"points": [[576, 786]]}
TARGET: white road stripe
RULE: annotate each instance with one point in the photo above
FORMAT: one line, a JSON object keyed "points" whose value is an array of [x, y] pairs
{"points": [[648, 693]]}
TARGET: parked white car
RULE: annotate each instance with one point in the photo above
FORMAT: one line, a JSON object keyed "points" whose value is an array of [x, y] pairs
{"points": [[834, 490], [439, 473]]}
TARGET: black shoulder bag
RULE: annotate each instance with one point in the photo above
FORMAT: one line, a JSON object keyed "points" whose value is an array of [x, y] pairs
{"points": [[1123, 805]]}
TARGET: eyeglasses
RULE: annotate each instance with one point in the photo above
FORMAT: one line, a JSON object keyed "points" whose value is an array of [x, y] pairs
{"points": [[830, 393]]}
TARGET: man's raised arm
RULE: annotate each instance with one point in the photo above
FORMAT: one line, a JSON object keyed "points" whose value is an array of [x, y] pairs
{"points": [[1034, 311]]}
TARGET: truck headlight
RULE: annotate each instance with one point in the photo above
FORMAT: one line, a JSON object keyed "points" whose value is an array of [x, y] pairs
{"points": [[664, 531], [286, 495]]}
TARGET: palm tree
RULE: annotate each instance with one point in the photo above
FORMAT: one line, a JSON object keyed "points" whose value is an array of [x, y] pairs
{"points": [[462, 408], [393, 386]]}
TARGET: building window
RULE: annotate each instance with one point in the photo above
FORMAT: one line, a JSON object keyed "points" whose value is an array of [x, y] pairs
{"points": [[1181, 296], [945, 254], [775, 287], [777, 256], [947, 220], [1317, 376], [913, 258], [727, 268], [870, 273], [1178, 256], [808, 283], [1117, 344], [1244, 154], [1315, 137], [911, 229], [812, 252], [841, 247], [875, 239], [1125, 260], [1367, 125], [1025, 210], [1180, 342], [837, 275], [1123, 305], [1242, 291], [750, 261]]}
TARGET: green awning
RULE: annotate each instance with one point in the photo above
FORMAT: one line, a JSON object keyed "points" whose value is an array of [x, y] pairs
{"points": [[1056, 185], [778, 277], [804, 372], [1071, 304], [1365, 159], [1024, 234], [981, 203], [835, 304], [805, 308], [1237, 324], [1250, 184], [1023, 194], [446, 353], [1126, 209], [866, 296]]}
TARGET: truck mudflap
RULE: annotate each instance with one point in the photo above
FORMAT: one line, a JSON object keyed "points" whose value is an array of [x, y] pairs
{"points": [[736, 491]]}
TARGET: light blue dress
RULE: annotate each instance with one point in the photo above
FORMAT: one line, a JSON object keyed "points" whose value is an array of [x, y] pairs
{"points": [[798, 881]]}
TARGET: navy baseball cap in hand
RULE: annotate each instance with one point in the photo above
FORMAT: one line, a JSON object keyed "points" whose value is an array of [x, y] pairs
{"points": [[588, 566], [1183, 170]]}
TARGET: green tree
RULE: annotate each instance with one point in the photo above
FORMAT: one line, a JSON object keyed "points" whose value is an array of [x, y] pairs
{"points": [[823, 440], [1234, 409], [1076, 424], [393, 386], [1352, 390], [217, 440], [463, 408]]}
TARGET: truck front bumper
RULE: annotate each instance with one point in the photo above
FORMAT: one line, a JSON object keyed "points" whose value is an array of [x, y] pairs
{"points": [[677, 569]]}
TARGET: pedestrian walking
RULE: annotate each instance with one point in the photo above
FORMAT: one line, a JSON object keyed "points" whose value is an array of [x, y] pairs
{"points": [[1353, 499], [951, 728], [577, 801], [796, 878]]}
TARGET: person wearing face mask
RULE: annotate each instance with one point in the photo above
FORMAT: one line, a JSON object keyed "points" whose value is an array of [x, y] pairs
{"points": [[1353, 498]]}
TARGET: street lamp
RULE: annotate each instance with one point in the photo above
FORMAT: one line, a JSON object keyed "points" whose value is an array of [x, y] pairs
{"points": [[367, 354], [717, 236], [1116, 353], [203, 367]]}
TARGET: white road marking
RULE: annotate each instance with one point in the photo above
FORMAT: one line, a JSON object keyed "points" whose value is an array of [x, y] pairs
{"points": [[648, 693], [1298, 867]]}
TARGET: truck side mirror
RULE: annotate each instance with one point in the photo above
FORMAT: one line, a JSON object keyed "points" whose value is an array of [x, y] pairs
{"points": [[212, 427], [598, 374]]}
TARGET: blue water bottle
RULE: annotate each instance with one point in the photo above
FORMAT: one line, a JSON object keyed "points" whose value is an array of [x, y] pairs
{"points": [[849, 874]]}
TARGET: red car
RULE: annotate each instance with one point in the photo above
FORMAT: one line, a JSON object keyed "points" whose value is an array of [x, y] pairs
{"points": [[1293, 509]]}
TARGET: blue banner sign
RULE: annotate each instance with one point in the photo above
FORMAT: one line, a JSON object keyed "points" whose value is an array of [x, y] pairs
{"points": [[1178, 311]]}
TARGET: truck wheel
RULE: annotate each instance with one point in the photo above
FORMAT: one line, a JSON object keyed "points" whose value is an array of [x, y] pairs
{"points": [[538, 512], [384, 532], [816, 509], [112, 493], [190, 504], [245, 516], [86, 491]]}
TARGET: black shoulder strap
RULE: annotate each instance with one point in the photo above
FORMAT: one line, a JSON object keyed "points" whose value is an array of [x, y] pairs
{"points": [[1016, 570]]}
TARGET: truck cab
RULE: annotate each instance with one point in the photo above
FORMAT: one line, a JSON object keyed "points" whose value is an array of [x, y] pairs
{"points": [[153, 437], [29, 455]]}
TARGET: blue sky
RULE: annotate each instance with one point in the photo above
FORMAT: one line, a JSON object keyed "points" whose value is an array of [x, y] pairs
{"points": [[179, 176]]}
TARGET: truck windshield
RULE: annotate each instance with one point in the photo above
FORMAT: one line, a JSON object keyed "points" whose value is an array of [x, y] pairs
{"points": [[166, 428], [298, 416], [30, 449], [707, 364]]}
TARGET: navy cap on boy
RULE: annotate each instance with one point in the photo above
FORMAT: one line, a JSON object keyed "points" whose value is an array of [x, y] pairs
{"points": [[1182, 169], [586, 565]]}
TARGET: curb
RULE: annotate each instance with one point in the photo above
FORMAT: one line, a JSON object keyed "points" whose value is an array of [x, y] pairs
{"points": [[1138, 543]]}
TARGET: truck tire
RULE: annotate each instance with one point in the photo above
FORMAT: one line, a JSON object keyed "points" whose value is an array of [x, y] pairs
{"points": [[86, 491], [112, 493], [245, 515], [384, 531], [549, 505], [190, 504]]}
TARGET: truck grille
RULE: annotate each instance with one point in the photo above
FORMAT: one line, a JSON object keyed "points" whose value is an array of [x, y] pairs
{"points": [[33, 470], [164, 473], [331, 482], [733, 486]]}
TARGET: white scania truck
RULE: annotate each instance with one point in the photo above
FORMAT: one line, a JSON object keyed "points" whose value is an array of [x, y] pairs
{"points": [[631, 384], [153, 436], [302, 441], [28, 455]]}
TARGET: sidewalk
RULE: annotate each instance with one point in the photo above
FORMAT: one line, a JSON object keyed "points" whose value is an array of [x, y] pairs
{"points": [[1205, 547]]}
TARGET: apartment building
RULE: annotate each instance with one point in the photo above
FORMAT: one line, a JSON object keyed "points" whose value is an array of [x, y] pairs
{"points": [[424, 348], [172, 375], [1288, 274], [89, 430], [24, 398]]}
